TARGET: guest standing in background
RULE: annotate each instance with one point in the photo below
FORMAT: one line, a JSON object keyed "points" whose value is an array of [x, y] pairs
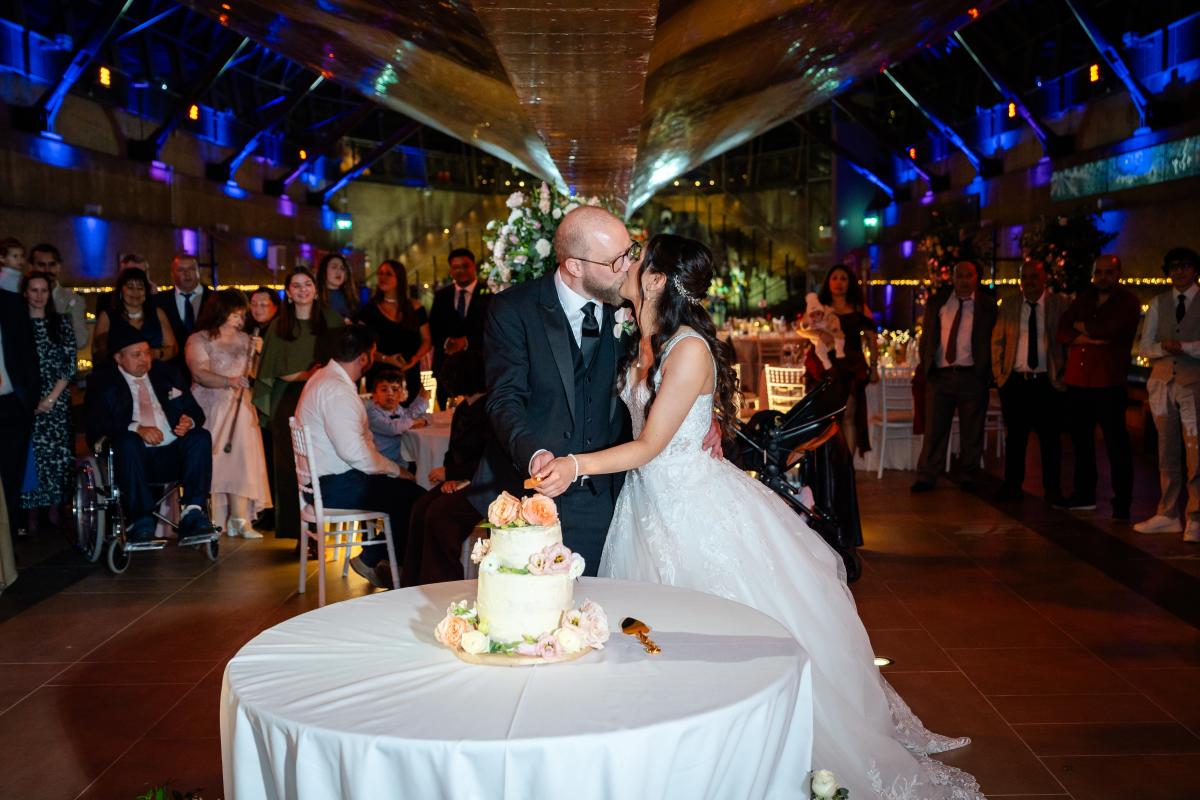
{"points": [[457, 315], [956, 356], [264, 305], [848, 374], [339, 293], [46, 258], [105, 302], [1027, 363], [297, 343], [219, 355], [134, 311], [400, 325], [1171, 340], [1098, 329], [54, 341], [12, 265], [443, 519], [20, 384], [183, 303]]}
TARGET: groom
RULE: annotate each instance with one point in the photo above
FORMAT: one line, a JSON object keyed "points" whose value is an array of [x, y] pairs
{"points": [[551, 361]]}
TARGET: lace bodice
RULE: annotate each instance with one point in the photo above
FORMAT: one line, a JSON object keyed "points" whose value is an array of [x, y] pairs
{"points": [[686, 443]]}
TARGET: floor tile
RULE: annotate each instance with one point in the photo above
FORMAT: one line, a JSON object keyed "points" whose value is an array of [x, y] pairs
{"points": [[1037, 670], [133, 673], [197, 715], [186, 765], [66, 626], [1102, 739], [18, 680], [1177, 691], [1077, 708], [910, 650], [1162, 777]]}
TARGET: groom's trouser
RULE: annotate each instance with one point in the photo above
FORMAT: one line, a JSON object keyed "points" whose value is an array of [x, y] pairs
{"points": [[585, 512]]}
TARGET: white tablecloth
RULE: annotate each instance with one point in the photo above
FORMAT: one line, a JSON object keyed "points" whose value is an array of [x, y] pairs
{"points": [[357, 700], [903, 446], [427, 446]]}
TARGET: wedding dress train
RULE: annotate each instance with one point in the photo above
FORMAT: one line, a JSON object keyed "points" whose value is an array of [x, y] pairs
{"points": [[686, 519]]}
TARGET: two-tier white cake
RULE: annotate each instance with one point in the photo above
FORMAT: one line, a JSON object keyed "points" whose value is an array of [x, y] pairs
{"points": [[524, 610]]}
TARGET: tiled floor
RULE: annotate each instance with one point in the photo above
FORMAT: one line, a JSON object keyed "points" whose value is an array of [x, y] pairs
{"points": [[1072, 683]]}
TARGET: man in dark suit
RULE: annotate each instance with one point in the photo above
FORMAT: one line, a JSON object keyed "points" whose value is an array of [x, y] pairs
{"points": [[1028, 363], [19, 393], [182, 304], [956, 357], [457, 316], [148, 414], [551, 363]]}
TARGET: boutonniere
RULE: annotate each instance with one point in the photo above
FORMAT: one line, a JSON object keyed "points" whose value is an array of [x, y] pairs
{"points": [[624, 325]]}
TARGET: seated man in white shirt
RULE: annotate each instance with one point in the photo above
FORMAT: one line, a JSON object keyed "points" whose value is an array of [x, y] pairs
{"points": [[352, 471], [390, 420], [155, 427]]}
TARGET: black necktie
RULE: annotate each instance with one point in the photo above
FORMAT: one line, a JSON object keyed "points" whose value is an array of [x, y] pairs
{"points": [[591, 333], [1031, 359], [460, 305], [1181, 308], [189, 313]]}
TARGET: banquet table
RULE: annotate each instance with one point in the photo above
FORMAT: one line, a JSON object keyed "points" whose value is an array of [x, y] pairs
{"points": [[903, 446], [745, 350], [427, 446], [357, 699]]}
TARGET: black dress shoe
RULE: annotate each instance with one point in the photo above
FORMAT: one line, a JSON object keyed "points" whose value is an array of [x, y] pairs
{"points": [[141, 530], [921, 486]]}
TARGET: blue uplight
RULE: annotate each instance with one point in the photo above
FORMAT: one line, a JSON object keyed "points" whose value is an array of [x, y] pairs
{"points": [[233, 190], [327, 218], [286, 207], [258, 247], [906, 248], [188, 240], [92, 235], [54, 151]]}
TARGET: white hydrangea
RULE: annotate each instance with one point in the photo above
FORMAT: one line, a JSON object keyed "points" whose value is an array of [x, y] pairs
{"points": [[543, 247], [515, 200], [514, 216]]}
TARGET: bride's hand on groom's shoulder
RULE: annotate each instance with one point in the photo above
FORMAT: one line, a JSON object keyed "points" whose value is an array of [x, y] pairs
{"points": [[555, 477]]}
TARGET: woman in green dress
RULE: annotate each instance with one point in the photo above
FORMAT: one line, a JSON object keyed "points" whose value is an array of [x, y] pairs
{"points": [[297, 342]]}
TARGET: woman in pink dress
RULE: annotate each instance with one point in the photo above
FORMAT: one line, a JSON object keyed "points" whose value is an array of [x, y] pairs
{"points": [[219, 355]]}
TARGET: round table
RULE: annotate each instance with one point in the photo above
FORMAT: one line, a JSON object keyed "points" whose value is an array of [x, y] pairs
{"points": [[427, 446], [358, 700]]}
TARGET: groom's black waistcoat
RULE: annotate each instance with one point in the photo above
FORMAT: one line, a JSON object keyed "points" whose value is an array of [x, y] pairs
{"points": [[541, 396]]}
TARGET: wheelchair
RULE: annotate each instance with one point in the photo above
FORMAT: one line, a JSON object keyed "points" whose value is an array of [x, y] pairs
{"points": [[100, 524]]}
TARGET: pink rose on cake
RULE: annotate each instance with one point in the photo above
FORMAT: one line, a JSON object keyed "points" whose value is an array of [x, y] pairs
{"points": [[548, 647], [450, 630], [539, 510], [504, 510], [594, 624], [558, 559], [481, 548], [537, 563]]}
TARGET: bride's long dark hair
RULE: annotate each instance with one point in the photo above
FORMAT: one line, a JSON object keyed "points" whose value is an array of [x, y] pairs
{"points": [[687, 266]]}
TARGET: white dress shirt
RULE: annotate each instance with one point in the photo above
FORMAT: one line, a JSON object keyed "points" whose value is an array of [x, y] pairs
{"points": [[160, 416], [572, 305], [963, 357], [1148, 345], [194, 300], [339, 433], [1021, 362]]}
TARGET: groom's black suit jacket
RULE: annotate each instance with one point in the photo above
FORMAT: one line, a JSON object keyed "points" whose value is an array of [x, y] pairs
{"points": [[541, 397]]}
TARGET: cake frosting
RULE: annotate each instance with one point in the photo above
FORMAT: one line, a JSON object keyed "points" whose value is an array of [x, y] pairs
{"points": [[526, 589]]}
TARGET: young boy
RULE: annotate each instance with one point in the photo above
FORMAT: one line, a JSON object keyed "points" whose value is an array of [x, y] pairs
{"points": [[388, 419], [12, 264]]}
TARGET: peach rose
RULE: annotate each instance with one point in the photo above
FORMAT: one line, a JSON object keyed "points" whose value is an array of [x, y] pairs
{"points": [[539, 510], [450, 631], [504, 510]]}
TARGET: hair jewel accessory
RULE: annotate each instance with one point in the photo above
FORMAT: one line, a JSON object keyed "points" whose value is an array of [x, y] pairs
{"points": [[682, 292]]}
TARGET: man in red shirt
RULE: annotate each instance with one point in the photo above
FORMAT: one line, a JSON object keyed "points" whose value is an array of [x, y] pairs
{"points": [[1098, 329]]}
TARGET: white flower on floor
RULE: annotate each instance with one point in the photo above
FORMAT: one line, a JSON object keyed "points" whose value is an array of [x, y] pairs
{"points": [[824, 786]]}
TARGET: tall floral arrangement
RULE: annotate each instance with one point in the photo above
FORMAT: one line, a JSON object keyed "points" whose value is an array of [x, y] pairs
{"points": [[944, 245], [521, 247], [1068, 244]]}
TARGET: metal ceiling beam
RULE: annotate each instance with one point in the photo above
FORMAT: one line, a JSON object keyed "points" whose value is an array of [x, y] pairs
{"points": [[1137, 93], [1052, 143], [986, 167], [935, 181], [40, 116], [277, 186], [148, 149], [397, 138], [136, 29], [844, 153], [225, 170]]}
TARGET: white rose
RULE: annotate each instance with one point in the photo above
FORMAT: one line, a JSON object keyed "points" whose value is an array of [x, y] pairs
{"points": [[514, 216], [556, 213], [824, 784], [515, 200], [475, 642], [543, 247], [570, 637], [490, 564], [577, 565]]}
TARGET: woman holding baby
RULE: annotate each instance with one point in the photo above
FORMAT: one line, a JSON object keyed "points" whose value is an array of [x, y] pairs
{"points": [[849, 374]]}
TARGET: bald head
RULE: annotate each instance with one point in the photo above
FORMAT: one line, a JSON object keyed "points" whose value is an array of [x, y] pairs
{"points": [[589, 232]]}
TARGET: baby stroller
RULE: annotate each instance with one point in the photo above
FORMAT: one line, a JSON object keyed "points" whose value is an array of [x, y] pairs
{"points": [[803, 447]]}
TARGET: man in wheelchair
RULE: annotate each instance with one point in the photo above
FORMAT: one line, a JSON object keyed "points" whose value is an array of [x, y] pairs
{"points": [[153, 424]]}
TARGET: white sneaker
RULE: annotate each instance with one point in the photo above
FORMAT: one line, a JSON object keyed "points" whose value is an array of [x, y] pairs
{"points": [[1159, 524], [1192, 534]]}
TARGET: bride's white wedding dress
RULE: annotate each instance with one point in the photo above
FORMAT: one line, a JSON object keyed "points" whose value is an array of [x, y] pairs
{"points": [[687, 519]]}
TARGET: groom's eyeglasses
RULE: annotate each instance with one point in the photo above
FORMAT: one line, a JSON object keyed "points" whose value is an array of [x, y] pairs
{"points": [[630, 256]]}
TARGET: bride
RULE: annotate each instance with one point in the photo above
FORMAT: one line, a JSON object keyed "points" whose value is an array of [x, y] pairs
{"points": [[686, 519]]}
